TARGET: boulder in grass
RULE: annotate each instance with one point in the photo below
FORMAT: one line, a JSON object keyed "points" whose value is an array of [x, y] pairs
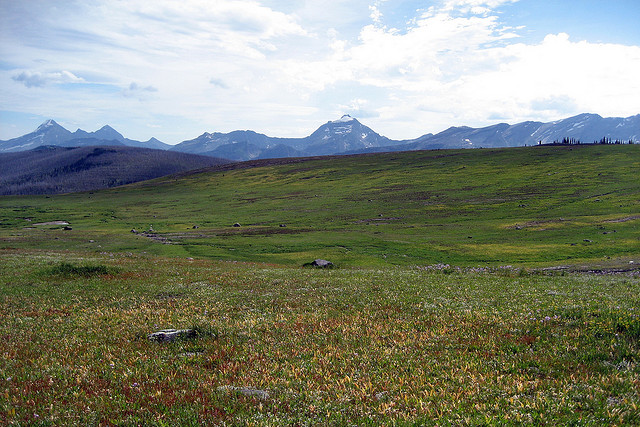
{"points": [[320, 263], [167, 335]]}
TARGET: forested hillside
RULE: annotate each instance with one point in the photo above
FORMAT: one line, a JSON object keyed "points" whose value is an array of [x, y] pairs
{"points": [[53, 170]]}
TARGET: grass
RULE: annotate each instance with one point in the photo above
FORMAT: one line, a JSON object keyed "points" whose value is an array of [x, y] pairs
{"points": [[398, 346], [483, 287], [529, 206]]}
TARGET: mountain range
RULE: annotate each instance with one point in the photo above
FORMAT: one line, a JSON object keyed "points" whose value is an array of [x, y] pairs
{"points": [[345, 136], [51, 133]]}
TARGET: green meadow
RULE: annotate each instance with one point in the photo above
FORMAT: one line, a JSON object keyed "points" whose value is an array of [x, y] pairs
{"points": [[528, 206], [472, 287]]}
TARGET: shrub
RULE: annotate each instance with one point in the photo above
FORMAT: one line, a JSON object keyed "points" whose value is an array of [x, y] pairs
{"points": [[68, 269]]}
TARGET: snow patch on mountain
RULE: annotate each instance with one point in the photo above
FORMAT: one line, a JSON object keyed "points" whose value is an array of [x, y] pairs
{"points": [[44, 126], [344, 119]]}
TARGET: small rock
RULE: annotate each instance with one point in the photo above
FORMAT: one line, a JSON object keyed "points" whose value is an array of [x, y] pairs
{"points": [[134, 231], [195, 227], [189, 354], [383, 395], [587, 241], [613, 401], [68, 228], [237, 224], [322, 263], [283, 225], [167, 335]]}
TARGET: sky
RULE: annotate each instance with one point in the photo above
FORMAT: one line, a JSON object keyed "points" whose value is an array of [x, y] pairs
{"points": [[175, 69]]}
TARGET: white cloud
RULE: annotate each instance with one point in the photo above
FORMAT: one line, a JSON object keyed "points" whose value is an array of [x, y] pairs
{"points": [[224, 65], [376, 15], [573, 77], [436, 50], [219, 83], [481, 7], [38, 79], [135, 90], [448, 69]]}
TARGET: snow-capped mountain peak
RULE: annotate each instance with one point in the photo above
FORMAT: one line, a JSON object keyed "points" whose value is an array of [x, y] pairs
{"points": [[46, 125], [344, 119]]}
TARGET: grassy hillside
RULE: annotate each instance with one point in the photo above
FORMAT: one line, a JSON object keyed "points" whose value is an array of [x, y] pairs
{"points": [[397, 338], [525, 206], [53, 170]]}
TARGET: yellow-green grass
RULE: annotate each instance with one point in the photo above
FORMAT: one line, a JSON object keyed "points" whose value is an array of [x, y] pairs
{"points": [[533, 206], [393, 346]]}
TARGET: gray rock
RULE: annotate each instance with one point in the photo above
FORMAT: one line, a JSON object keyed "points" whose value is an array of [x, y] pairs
{"points": [[322, 263], [237, 224], [383, 395], [167, 335]]}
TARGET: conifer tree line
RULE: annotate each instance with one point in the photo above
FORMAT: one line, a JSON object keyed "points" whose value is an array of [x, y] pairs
{"points": [[603, 141]]}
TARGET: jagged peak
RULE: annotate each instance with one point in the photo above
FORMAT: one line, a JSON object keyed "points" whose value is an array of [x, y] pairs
{"points": [[344, 119], [46, 125], [583, 116]]}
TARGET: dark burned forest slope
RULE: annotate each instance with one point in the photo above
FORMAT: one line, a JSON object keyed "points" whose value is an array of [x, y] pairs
{"points": [[54, 170]]}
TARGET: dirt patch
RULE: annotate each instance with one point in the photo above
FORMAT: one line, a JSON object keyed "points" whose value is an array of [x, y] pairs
{"points": [[261, 231], [536, 223], [378, 220], [157, 238], [53, 223], [175, 238], [625, 219]]}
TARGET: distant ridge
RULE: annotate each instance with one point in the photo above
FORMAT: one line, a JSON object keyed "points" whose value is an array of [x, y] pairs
{"points": [[51, 133], [346, 136], [52, 169]]}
